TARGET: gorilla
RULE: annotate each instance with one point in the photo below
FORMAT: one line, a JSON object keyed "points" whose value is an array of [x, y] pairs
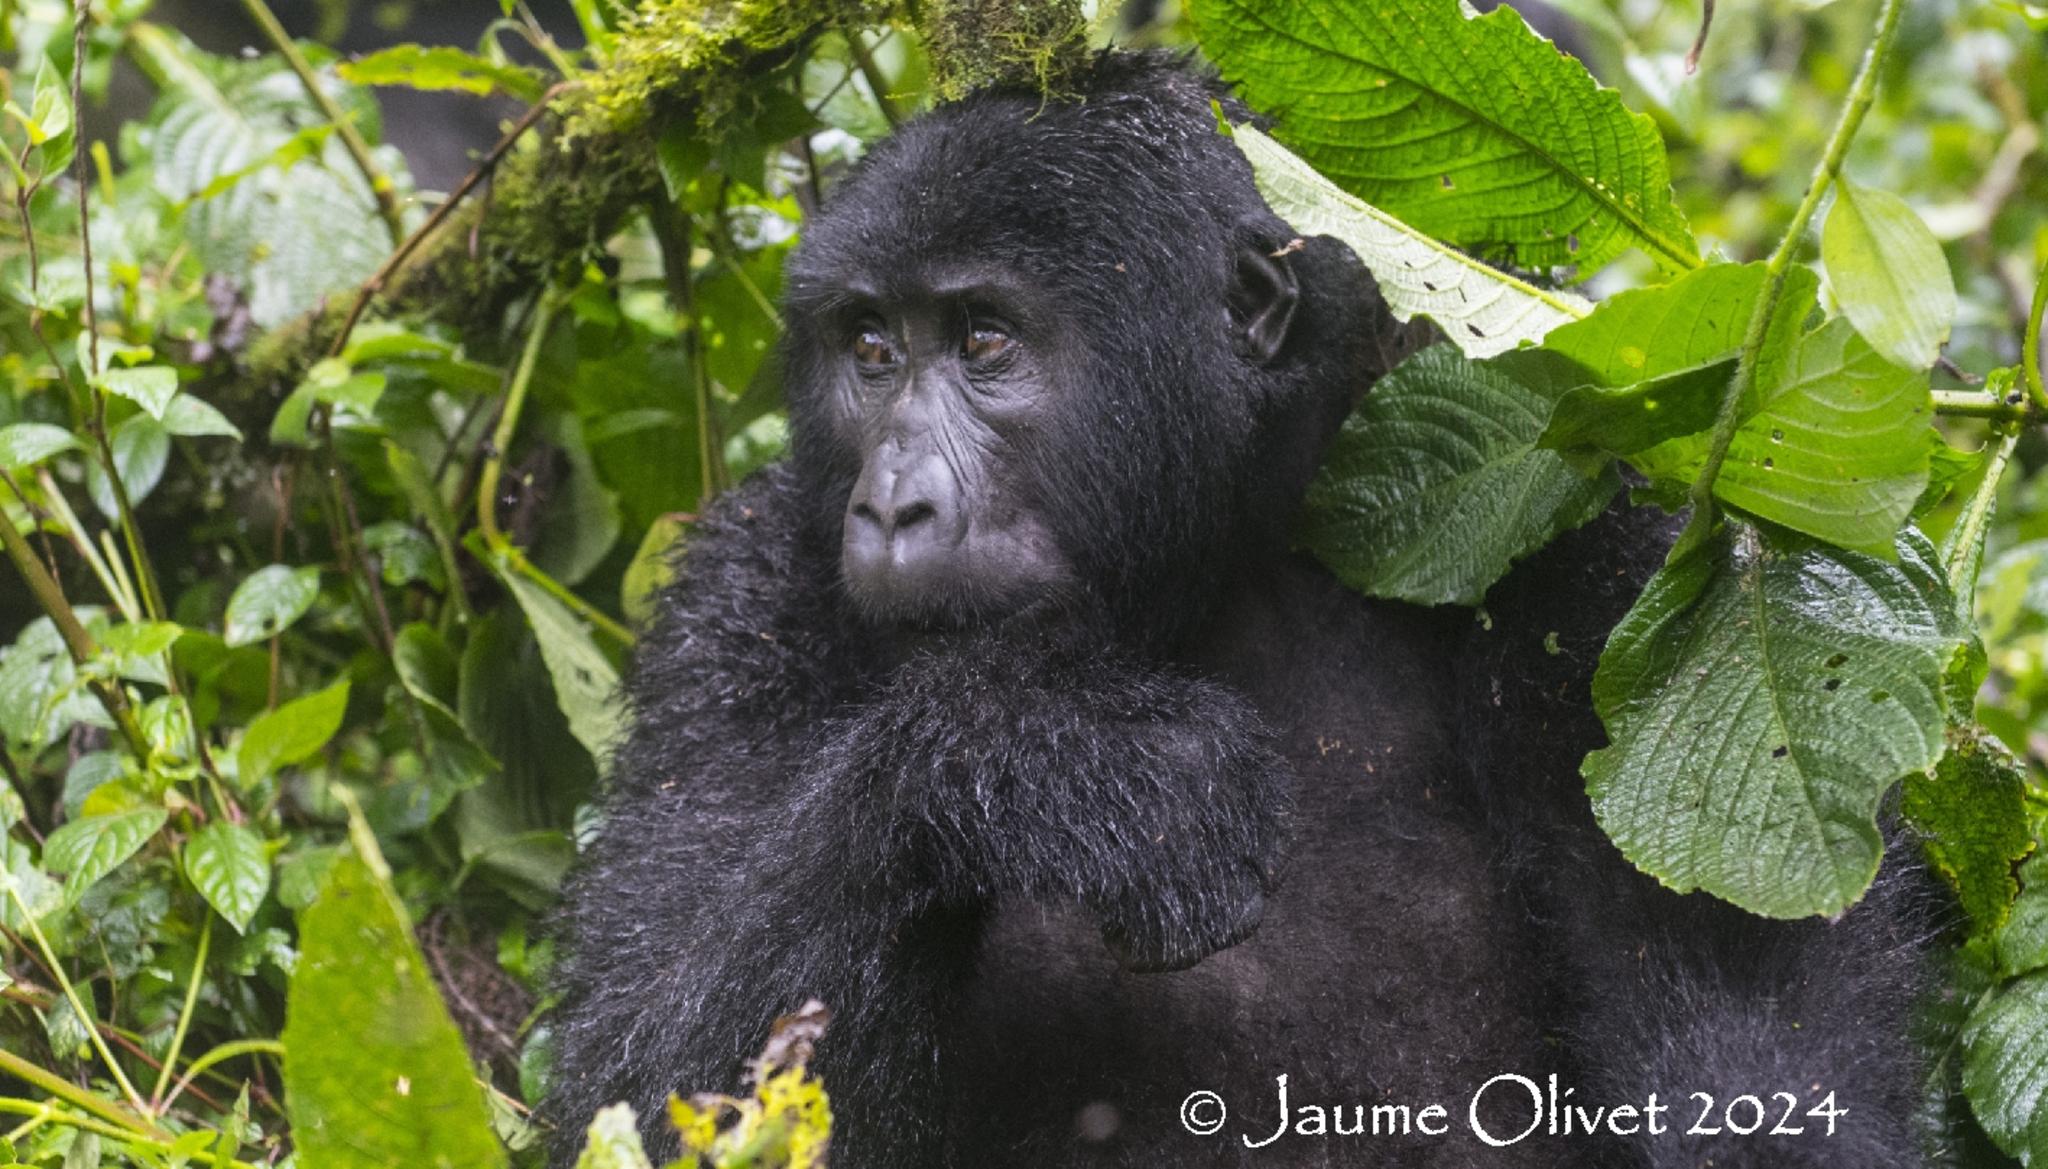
{"points": [[1002, 719]]}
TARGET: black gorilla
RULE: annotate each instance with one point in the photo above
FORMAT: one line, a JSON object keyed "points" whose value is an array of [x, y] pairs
{"points": [[1001, 719]]}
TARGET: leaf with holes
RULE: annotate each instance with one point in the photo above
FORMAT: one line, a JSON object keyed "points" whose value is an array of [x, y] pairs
{"points": [[228, 866], [1472, 129], [1481, 309], [1435, 486], [1760, 698]]}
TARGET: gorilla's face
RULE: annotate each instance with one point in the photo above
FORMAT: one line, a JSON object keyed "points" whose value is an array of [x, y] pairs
{"points": [[941, 385]]}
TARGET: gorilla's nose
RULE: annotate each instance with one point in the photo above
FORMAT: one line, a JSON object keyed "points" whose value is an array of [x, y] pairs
{"points": [[903, 525]]}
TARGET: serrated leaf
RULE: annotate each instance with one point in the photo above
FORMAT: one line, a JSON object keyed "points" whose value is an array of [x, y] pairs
{"points": [[1472, 129], [149, 386], [86, 850], [228, 866], [1658, 359], [268, 601], [1434, 486], [1972, 811], [24, 444], [586, 682], [1481, 309], [1888, 272], [442, 67], [290, 734], [193, 418], [1760, 699], [376, 1075], [2005, 1068]]}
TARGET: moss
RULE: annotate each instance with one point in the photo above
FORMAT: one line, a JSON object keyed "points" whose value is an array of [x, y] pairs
{"points": [[1018, 43]]}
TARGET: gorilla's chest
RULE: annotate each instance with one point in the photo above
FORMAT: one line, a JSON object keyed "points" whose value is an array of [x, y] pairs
{"points": [[1376, 977]]}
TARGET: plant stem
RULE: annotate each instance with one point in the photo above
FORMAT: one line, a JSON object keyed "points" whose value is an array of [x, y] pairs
{"points": [[68, 1092], [1861, 92], [45, 1112], [864, 58], [163, 1075], [221, 1054], [83, 649], [1971, 404], [1969, 530], [508, 424], [35, 930], [351, 138]]}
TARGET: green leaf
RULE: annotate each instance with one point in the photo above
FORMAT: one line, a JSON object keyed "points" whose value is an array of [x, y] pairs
{"points": [[652, 568], [2022, 945], [1889, 274], [1481, 309], [266, 603], [228, 866], [142, 447], [586, 682], [193, 418], [376, 1075], [24, 444], [1434, 486], [1471, 129], [1658, 359], [86, 850], [290, 734], [1760, 699], [613, 1141], [50, 110], [149, 386], [1972, 811], [440, 67], [2005, 1068]]}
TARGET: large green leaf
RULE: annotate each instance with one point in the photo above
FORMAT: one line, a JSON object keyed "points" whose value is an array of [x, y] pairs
{"points": [[1760, 699], [586, 682], [1657, 360], [1972, 810], [1834, 442], [1888, 271], [1472, 129], [86, 850], [292, 733], [2005, 1068], [228, 866], [1434, 486], [376, 1075], [1480, 308]]}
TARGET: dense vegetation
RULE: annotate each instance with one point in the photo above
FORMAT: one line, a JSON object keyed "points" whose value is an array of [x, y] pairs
{"points": [[331, 504]]}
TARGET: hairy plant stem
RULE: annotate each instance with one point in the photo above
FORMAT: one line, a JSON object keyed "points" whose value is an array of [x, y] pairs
{"points": [[1861, 93], [351, 138]]}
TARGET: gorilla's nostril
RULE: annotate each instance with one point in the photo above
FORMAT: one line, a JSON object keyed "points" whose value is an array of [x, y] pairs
{"points": [[862, 511], [912, 514]]}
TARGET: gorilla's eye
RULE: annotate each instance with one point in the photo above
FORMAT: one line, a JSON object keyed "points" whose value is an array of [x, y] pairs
{"points": [[871, 347], [984, 341]]}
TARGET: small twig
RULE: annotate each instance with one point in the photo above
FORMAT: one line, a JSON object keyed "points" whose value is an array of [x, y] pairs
{"points": [[1699, 43], [872, 73], [163, 1075], [375, 284], [381, 186], [508, 424]]}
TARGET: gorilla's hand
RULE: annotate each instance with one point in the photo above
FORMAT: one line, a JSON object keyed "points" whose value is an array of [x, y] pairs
{"points": [[988, 768]]}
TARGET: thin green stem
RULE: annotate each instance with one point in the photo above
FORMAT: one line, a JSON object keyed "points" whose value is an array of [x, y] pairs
{"points": [[508, 423], [99, 1043], [50, 597], [163, 1075], [87, 1124], [1971, 404], [69, 1092], [864, 58], [75, 532], [1969, 530], [1862, 92], [221, 1054], [2030, 343], [351, 138]]}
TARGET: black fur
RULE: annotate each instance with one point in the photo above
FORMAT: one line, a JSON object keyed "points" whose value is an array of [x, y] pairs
{"points": [[1202, 818]]}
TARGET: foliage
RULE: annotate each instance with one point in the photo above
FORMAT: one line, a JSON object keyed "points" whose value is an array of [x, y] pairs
{"points": [[323, 546]]}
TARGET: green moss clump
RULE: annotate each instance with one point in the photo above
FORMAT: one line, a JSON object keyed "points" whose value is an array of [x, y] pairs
{"points": [[1018, 43]]}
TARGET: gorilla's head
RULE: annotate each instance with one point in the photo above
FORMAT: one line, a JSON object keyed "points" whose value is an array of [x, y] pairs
{"points": [[1058, 357]]}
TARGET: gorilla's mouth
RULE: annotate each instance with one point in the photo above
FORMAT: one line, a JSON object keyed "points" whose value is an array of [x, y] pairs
{"points": [[931, 568]]}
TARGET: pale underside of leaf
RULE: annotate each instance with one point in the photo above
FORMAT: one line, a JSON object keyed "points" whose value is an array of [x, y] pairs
{"points": [[1483, 310]]}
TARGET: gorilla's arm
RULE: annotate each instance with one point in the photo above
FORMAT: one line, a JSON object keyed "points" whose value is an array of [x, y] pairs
{"points": [[1668, 993], [776, 833]]}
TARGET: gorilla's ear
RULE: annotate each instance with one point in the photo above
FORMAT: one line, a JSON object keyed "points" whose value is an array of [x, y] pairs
{"points": [[1263, 295]]}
